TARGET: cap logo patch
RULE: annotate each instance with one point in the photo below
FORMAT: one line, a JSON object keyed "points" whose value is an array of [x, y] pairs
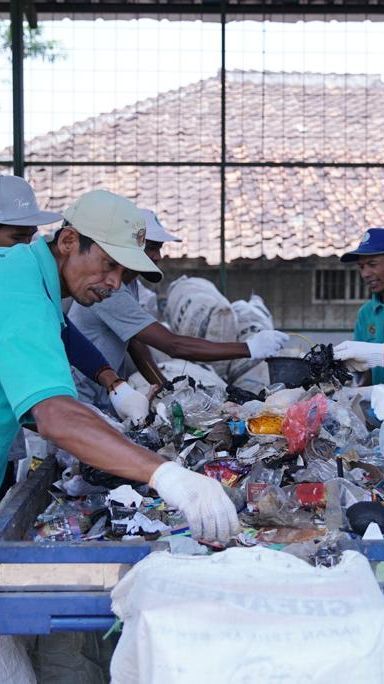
{"points": [[139, 237], [21, 204], [365, 238]]}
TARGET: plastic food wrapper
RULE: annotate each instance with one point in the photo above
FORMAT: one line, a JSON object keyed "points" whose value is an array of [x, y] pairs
{"points": [[124, 495], [139, 523], [341, 425], [228, 472], [265, 424], [279, 402], [317, 471], [64, 528], [280, 506], [200, 407], [302, 422]]}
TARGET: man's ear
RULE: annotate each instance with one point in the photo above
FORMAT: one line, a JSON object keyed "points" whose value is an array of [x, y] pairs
{"points": [[68, 241]]}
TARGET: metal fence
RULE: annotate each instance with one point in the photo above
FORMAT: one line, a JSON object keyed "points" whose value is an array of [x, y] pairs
{"points": [[251, 138]]}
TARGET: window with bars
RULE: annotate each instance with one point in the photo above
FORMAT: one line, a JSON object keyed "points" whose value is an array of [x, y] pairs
{"points": [[337, 285]]}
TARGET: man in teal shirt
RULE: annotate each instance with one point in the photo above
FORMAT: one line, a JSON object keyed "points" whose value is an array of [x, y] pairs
{"points": [[369, 327], [104, 235]]}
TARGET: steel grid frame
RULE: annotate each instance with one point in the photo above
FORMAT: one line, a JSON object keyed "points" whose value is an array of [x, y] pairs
{"points": [[221, 9]]}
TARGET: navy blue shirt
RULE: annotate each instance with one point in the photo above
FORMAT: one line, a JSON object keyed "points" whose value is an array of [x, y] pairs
{"points": [[81, 353]]}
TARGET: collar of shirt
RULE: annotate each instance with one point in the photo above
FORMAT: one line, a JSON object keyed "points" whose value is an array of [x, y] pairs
{"points": [[50, 274]]}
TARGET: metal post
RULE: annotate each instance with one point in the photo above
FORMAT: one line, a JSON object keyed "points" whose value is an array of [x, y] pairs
{"points": [[17, 84], [223, 269]]}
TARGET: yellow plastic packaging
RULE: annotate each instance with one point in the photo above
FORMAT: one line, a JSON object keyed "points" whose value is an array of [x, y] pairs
{"points": [[266, 424]]}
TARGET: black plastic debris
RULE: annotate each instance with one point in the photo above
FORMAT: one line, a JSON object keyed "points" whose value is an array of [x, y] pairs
{"points": [[324, 368]]}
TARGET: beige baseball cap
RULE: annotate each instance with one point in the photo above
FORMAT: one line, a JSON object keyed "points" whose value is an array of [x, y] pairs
{"points": [[117, 226]]}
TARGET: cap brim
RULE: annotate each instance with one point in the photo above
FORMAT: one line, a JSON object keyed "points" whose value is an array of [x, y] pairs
{"points": [[354, 256], [40, 219], [133, 258], [160, 235]]}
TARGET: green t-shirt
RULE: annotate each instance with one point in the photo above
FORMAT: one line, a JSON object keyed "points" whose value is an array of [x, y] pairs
{"points": [[370, 328], [33, 362]]}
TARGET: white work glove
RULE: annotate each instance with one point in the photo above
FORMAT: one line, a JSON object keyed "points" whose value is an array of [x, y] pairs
{"points": [[211, 515], [359, 356], [266, 343], [129, 403], [377, 401]]}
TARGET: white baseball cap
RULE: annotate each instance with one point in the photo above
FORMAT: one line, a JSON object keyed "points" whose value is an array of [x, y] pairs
{"points": [[155, 230], [18, 205], [117, 226]]}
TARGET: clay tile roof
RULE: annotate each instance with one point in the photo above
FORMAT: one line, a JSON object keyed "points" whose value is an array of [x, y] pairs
{"points": [[273, 211]]}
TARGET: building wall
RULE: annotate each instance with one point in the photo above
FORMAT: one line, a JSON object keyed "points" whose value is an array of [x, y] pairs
{"points": [[287, 288]]}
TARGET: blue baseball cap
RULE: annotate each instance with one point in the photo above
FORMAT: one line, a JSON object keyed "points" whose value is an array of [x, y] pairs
{"points": [[372, 243]]}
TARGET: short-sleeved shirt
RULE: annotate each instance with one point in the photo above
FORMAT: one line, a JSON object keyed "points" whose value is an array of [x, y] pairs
{"points": [[33, 362], [370, 328], [110, 325]]}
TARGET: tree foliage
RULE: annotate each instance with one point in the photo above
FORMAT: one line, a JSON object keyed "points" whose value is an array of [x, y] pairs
{"points": [[35, 44]]}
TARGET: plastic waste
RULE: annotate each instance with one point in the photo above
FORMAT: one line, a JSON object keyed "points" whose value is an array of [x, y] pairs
{"points": [[303, 421]]}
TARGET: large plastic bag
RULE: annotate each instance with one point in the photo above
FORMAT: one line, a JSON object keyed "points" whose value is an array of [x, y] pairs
{"points": [[15, 666], [196, 307], [248, 615], [252, 317], [303, 421], [203, 374]]}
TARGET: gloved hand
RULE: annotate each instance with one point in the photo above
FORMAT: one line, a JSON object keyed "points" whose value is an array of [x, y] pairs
{"points": [[377, 401], [359, 356], [128, 403], [266, 343], [209, 512]]}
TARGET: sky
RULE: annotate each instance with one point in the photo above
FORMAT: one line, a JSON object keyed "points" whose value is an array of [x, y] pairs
{"points": [[109, 64]]}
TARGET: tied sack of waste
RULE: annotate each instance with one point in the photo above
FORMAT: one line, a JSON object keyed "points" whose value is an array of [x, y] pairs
{"points": [[195, 307], [248, 615], [252, 317]]}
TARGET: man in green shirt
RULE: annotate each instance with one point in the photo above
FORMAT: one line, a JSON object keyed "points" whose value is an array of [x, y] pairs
{"points": [[369, 327], [104, 235]]}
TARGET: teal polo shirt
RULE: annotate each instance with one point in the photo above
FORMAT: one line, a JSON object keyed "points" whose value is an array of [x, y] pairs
{"points": [[370, 328], [33, 362]]}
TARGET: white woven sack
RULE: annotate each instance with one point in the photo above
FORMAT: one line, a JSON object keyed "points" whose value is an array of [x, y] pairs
{"points": [[195, 307], [249, 615]]}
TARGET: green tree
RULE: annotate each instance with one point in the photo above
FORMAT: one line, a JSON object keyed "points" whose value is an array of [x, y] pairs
{"points": [[35, 44]]}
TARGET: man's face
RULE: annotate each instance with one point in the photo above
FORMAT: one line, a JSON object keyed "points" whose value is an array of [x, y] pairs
{"points": [[15, 235], [372, 272], [88, 276], [152, 249]]}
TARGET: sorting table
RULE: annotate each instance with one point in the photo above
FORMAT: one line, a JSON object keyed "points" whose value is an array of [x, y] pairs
{"points": [[58, 586]]}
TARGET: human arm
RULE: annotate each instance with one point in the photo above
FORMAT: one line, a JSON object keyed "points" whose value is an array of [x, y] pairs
{"points": [[259, 346], [145, 363], [81, 353], [75, 428], [84, 356]]}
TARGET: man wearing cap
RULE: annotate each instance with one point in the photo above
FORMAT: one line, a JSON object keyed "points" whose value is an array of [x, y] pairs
{"points": [[86, 261], [367, 351], [119, 324], [19, 217]]}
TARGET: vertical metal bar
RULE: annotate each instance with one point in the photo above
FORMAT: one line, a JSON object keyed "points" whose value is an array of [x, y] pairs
{"points": [[18, 86], [223, 268]]}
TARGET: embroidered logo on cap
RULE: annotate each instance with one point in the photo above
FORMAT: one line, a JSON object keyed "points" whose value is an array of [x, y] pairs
{"points": [[139, 237], [365, 238]]}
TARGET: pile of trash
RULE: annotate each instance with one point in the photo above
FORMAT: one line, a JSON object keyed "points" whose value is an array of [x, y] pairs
{"points": [[300, 465]]}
